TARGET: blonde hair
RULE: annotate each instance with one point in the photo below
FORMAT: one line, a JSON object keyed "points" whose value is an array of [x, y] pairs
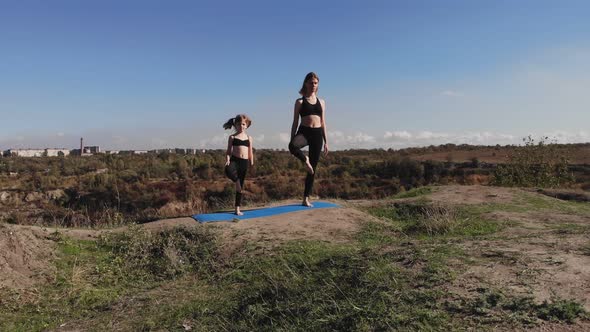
{"points": [[308, 77], [239, 118]]}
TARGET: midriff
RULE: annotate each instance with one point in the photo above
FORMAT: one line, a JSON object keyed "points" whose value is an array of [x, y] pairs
{"points": [[312, 121]]}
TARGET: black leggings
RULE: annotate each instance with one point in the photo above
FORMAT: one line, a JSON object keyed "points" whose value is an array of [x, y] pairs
{"points": [[315, 140], [236, 171]]}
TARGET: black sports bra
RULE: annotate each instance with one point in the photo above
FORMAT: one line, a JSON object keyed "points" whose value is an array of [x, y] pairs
{"points": [[236, 142], [309, 109]]}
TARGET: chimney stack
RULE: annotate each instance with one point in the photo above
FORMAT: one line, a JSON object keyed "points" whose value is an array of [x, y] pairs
{"points": [[81, 146]]}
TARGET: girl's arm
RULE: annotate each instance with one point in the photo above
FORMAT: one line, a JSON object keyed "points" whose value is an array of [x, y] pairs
{"points": [[251, 151], [295, 118], [228, 152], [324, 129]]}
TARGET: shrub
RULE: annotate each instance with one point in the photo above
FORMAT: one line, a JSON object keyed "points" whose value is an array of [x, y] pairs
{"points": [[535, 165], [162, 255]]}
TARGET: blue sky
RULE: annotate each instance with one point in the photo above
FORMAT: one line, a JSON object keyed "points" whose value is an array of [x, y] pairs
{"points": [[154, 74]]}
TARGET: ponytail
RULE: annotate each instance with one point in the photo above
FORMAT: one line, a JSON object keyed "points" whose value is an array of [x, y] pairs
{"points": [[229, 124], [239, 118]]}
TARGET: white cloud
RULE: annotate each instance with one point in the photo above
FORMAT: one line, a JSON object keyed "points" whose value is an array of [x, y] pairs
{"points": [[452, 93], [216, 142], [361, 138], [397, 134], [428, 135], [338, 139], [259, 138], [402, 139], [568, 137]]}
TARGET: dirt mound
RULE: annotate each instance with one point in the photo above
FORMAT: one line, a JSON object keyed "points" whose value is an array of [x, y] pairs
{"points": [[26, 256], [472, 194], [27, 252], [330, 225]]}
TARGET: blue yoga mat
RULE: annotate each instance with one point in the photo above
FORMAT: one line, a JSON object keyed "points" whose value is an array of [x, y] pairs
{"points": [[263, 212]]}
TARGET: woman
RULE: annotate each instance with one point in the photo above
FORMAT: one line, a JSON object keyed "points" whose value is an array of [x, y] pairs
{"points": [[312, 131]]}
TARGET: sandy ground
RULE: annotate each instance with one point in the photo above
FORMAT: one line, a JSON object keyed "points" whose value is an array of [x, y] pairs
{"points": [[25, 256]]}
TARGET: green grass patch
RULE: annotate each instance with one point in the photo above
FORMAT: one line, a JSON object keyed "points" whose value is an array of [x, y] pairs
{"points": [[536, 202], [495, 306], [153, 256], [313, 286], [415, 192], [93, 277], [526, 202], [75, 292], [423, 220], [374, 234]]}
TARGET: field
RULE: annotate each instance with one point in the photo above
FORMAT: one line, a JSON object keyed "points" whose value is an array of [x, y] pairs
{"points": [[437, 238], [438, 257]]}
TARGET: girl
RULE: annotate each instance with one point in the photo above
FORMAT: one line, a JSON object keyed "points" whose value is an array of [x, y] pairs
{"points": [[312, 130], [239, 154]]}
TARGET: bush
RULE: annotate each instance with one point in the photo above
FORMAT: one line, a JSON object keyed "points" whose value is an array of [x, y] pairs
{"points": [[162, 255], [535, 165]]}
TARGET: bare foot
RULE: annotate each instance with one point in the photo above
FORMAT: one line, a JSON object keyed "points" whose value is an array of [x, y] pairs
{"points": [[238, 212], [306, 202], [308, 166]]}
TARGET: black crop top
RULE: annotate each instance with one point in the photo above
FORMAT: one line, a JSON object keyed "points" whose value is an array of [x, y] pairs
{"points": [[236, 141], [309, 109]]}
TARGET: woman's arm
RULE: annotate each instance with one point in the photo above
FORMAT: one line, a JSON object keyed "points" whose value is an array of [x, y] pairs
{"points": [[324, 129], [295, 118], [228, 152], [251, 151]]}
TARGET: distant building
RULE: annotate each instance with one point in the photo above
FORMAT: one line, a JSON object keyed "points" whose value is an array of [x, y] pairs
{"points": [[175, 150], [26, 152], [157, 151], [91, 149], [128, 152], [57, 152]]}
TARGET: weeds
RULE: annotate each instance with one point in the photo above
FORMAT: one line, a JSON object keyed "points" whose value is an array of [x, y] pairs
{"points": [[495, 305], [161, 255], [540, 164], [426, 219], [414, 192], [316, 287], [92, 277]]}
